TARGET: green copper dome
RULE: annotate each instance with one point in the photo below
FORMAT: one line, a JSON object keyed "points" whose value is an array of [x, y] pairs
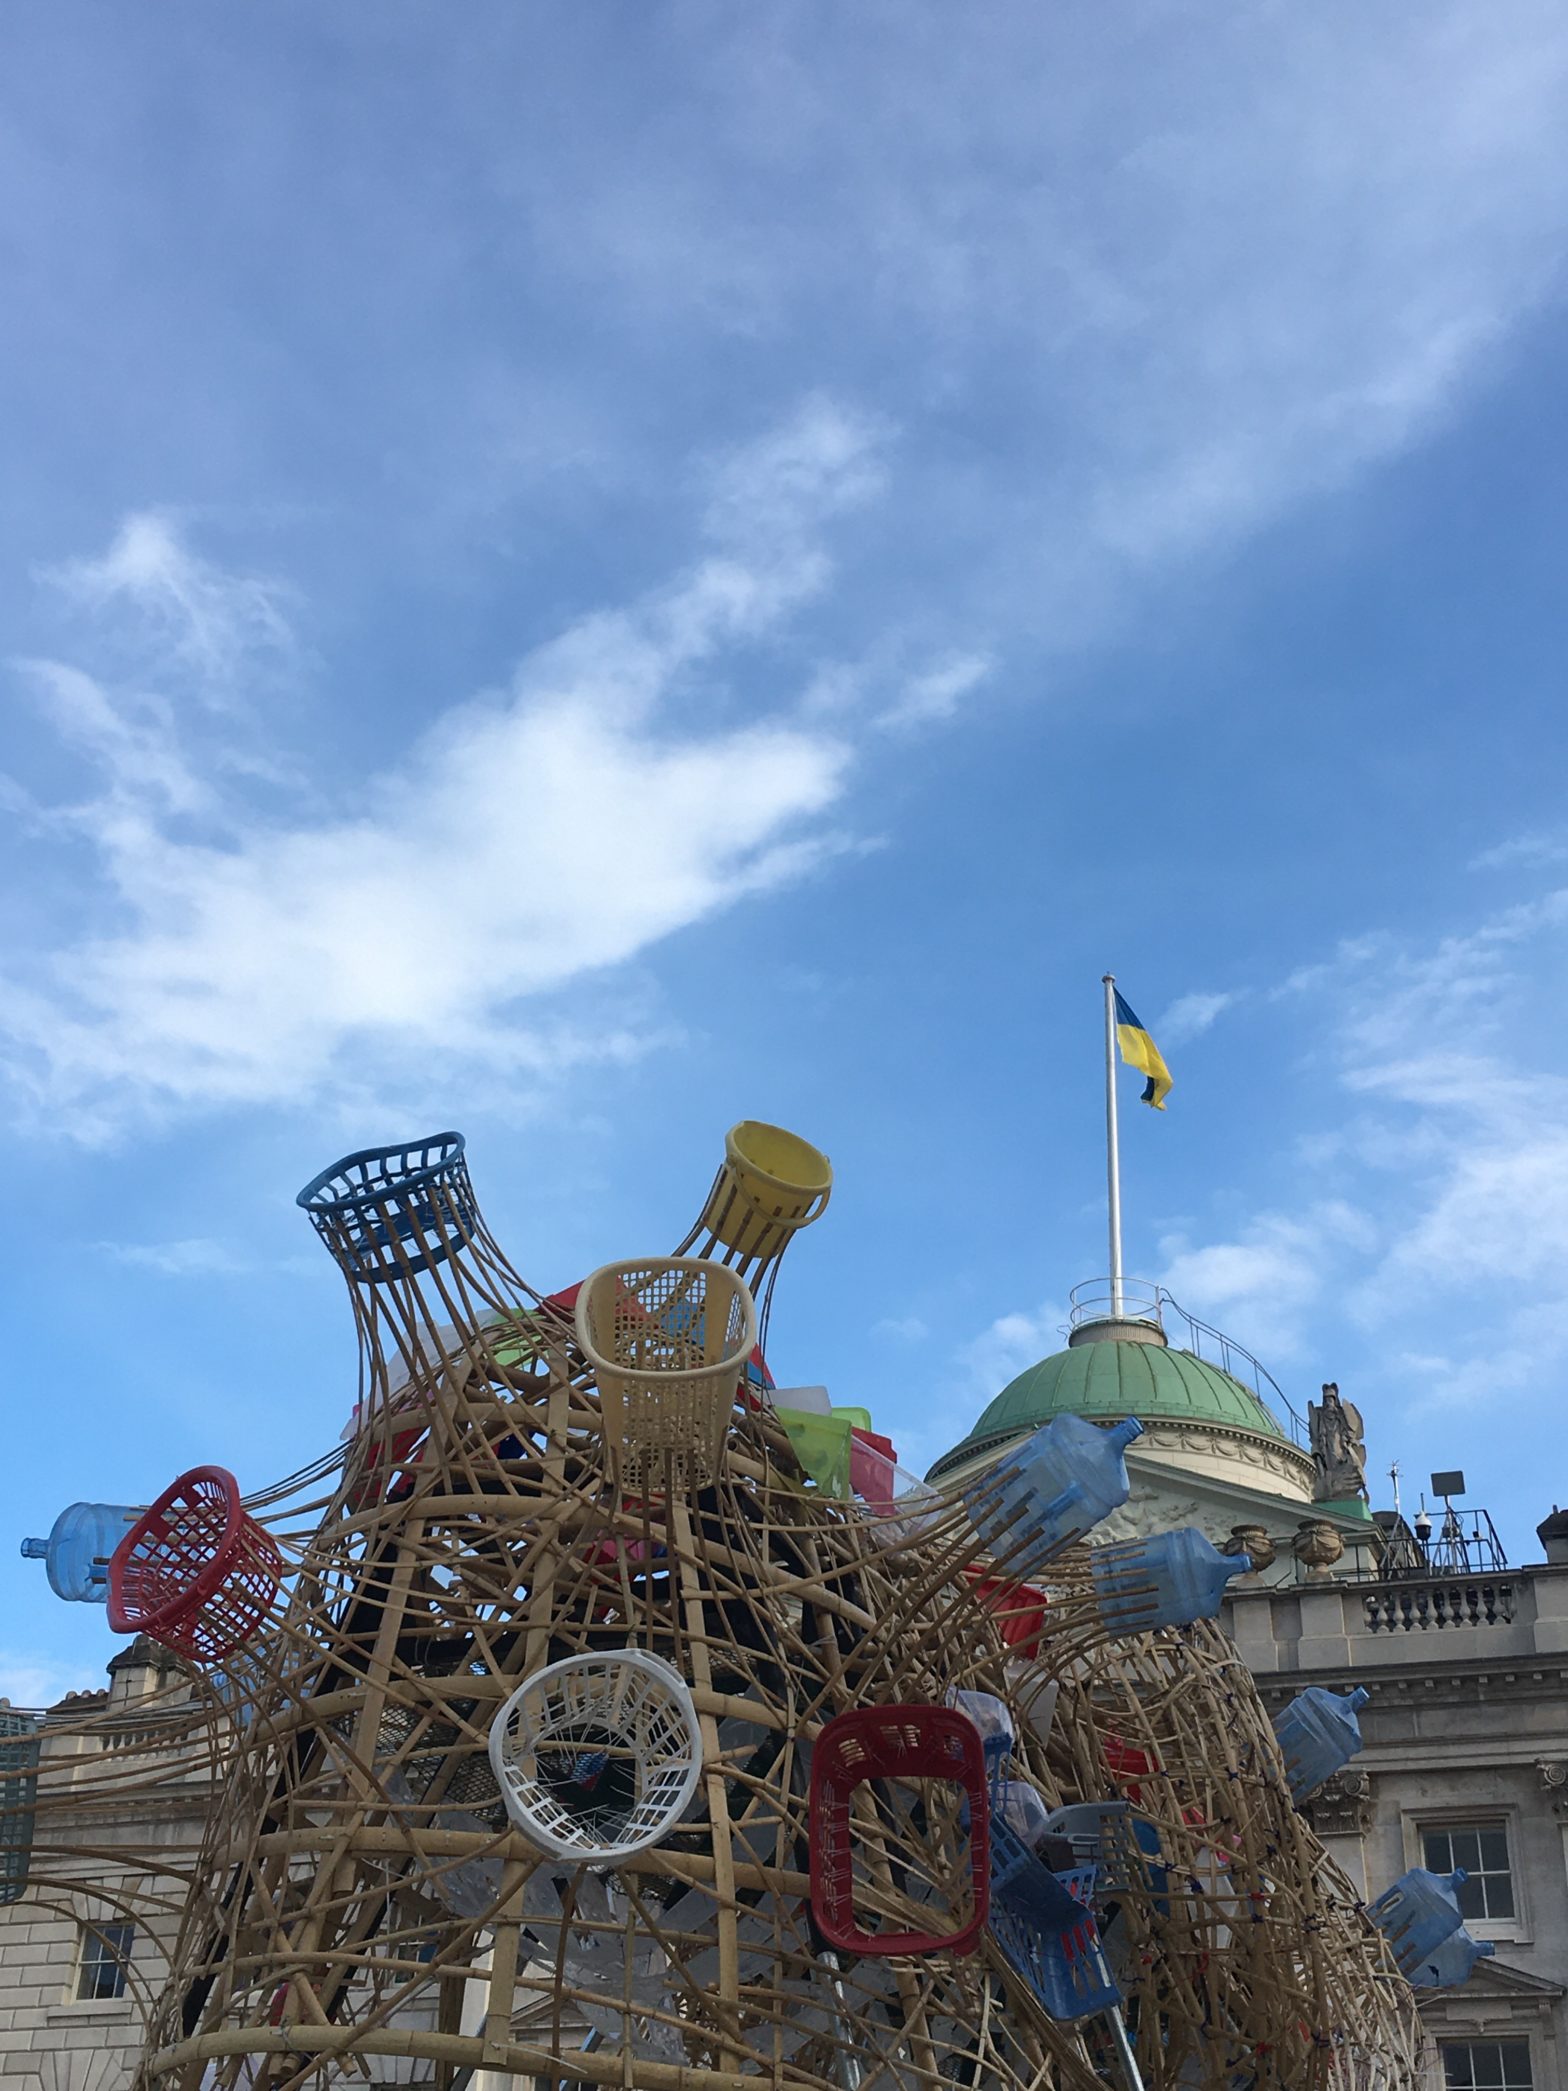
{"points": [[1108, 1380]]}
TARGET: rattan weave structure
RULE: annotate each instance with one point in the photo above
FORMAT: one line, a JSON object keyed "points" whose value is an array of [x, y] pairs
{"points": [[365, 1905]]}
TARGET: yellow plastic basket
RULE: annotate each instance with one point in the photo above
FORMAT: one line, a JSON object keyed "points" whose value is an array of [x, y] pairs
{"points": [[772, 1183], [668, 1339]]}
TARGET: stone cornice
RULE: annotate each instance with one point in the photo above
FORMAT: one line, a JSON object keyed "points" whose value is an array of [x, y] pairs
{"points": [[1469, 1683]]}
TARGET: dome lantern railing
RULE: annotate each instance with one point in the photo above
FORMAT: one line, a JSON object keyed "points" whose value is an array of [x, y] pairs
{"points": [[1145, 1312]]}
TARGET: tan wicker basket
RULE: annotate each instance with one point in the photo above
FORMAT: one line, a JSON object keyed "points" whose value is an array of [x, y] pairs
{"points": [[668, 1339]]}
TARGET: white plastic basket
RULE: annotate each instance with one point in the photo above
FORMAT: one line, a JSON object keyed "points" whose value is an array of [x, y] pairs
{"points": [[668, 1339], [597, 1757]]}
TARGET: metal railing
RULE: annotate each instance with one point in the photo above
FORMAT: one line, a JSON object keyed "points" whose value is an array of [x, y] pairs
{"points": [[1099, 1300], [1139, 1301]]}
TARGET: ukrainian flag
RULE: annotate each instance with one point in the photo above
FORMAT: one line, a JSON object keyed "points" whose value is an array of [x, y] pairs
{"points": [[1140, 1051]]}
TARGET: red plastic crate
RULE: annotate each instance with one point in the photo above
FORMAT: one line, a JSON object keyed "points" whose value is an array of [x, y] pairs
{"points": [[196, 1571], [892, 1742]]}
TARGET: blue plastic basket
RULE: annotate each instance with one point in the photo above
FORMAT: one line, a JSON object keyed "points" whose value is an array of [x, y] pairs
{"points": [[1064, 1965], [392, 1212]]}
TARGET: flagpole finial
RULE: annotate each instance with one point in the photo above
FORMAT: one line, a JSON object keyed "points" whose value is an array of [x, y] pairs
{"points": [[1107, 979]]}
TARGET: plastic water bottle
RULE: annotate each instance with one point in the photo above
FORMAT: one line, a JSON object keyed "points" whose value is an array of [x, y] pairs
{"points": [[76, 1553], [1417, 1913], [1170, 1580], [1051, 1490], [1452, 1962], [991, 1717], [1318, 1735]]}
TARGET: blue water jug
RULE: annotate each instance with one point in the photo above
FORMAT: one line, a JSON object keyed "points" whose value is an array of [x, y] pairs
{"points": [[1170, 1580], [1451, 1962], [1417, 1913], [991, 1717], [1318, 1735], [76, 1553], [1055, 1487]]}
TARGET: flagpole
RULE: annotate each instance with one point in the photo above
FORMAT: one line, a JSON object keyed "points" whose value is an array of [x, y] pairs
{"points": [[1113, 1157]]}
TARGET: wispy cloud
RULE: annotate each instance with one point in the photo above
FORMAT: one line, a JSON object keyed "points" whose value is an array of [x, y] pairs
{"points": [[206, 622], [935, 694], [1449, 1208], [1262, 1285], [905, 1328], [529, 841], [1523, 851], [1189, 1016], [28, 1679], [196, 1258]]}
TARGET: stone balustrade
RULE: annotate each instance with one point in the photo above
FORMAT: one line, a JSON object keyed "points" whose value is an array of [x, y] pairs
{"points": [[1516, 1615]]}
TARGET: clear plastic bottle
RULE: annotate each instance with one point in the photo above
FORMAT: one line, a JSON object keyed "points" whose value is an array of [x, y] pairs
{"points": [[991, 1717], [76, 1553], [1318, 1735], [1169, 1580], [1055, 1487]]}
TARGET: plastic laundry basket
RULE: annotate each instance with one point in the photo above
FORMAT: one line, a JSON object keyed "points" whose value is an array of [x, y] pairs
{"points": [[597, 1757], [1061, 1959], [772, 1184], [392, 1212], [195, 1571], [668, 1339], [902, 1743]]}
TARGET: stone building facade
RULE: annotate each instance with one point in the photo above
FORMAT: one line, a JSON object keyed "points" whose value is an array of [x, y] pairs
{"points": [[79, 1961], [1465, 1761], [1465, 1757]]}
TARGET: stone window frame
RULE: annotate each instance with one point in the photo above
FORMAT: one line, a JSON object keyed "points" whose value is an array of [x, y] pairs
{"points": [[1491, 2039], [1515, 1930], [92, 1939]]}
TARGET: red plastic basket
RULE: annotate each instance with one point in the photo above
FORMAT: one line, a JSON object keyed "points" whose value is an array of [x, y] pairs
{"points": [[196, 1571], [892, 1742]]}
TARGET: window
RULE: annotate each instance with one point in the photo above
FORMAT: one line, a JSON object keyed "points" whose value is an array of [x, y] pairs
{"points": [[1482, 1850], [1486, 2065], [105, 1950]]}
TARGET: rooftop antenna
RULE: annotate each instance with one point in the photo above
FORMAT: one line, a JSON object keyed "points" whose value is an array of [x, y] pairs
{"points": [[1393, 1475]]}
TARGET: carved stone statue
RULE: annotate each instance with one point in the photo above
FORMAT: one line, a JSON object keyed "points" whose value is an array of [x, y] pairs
{"points": [[1338, 1449]]}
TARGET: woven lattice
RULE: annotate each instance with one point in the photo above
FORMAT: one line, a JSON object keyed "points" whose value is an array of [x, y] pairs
{"points": [[364, 1905]]}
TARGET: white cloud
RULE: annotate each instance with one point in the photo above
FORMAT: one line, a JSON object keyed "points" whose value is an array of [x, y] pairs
{"points": [[209, 623], [1527, 849], [196, 1258], [935, 694], [1283, 257], [1261, 1286], [1003, 1349], [908, 1328], [133, 738], [1445, 1242], [28, 1679], [530, 841], [1189, 1016]]}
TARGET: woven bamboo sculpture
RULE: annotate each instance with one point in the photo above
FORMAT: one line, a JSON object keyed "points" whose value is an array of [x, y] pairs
{"points": [[517, 1775]]}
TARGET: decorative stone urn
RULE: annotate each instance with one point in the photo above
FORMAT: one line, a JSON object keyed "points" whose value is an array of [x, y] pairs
{"points": [[1318, 1546], [1254, 1542]]}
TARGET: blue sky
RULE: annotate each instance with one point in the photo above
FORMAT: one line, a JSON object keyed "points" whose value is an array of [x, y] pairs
{"points": [[585, 573]]}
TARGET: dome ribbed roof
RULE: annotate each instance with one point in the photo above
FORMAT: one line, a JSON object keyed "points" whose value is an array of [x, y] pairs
{"points": [[1108, 1381]]}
